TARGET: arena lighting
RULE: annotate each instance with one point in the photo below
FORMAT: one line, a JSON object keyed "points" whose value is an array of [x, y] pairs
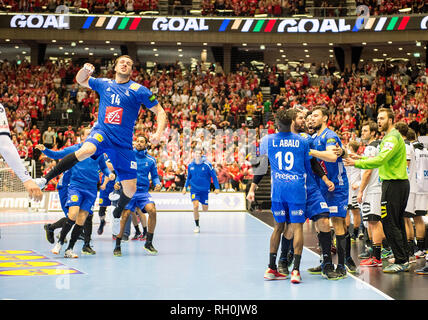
{"points": [[400, 49], [86, 48], [156, 54], [375, 49], [205, 43], [152, 42], [112, 49], [16, 47], [80, 41], [180, 55], [405, 10], [364, 43], [178, 43], [278, 44], [244, 44], [53, 41], [281, 50], [60, 48], [107, 41], [330, 44], [262, 47], [91, 53], [306, 50], [416, 54], [418, 43], [179, 50], [7, 40], [154, 49], [389, 42], [73, 44], [304, 43]]}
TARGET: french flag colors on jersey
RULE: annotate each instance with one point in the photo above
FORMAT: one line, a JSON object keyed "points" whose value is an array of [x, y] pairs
{"points": [[288, 155], [119, 106]]}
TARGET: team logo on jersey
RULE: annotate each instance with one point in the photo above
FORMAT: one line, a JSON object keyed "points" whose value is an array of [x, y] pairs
{"points": [[134, 86], [101, 200], [279, 213], [297, 212], [323, 205], [333, 209], [113, 115], [152, 98], [98, 137], [108, 89], [133, 165], [388, 145], [193, 196], [74, 198]]}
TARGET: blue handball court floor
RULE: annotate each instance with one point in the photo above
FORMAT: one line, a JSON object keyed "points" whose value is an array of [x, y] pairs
{"points": [[226, 261]]}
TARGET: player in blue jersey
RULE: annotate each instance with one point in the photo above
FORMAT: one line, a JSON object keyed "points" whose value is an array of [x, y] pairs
{"points": [[337, 199], [82, 193], [106, 187], [288, 155], [120, 101], [147, 170], [199, 174], [62, 188], [316, 205]]}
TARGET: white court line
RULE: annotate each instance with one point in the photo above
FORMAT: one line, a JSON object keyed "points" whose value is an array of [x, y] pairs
{"points": [[349, 274]]}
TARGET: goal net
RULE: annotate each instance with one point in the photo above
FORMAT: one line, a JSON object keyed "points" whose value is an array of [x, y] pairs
{"points": [[9, 181]]}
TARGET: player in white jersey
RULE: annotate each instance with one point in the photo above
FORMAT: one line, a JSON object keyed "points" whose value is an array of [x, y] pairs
{"points": [[354, 178], [417, 203], [11, 156], [403, 128], [369, 195]]}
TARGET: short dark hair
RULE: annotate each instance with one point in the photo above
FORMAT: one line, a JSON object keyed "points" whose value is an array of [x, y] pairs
{"points": [[388, 111], [411, 134], [402, 127], [285, 116], [372, 125], [324, 111]]}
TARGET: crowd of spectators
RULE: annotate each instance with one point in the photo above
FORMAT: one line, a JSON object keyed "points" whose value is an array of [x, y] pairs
{"points": [[389, 7], [272, 8], [80, 6], [44, 105]]}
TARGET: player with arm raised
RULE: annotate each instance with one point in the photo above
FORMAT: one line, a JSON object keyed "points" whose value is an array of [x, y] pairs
{"points": [[120, 101]]}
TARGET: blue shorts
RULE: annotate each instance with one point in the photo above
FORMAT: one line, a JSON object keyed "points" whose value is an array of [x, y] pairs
{"points": [[122, 158], [285, 212], [337, 202], [139, 200], [81, 198], [63, 196], [104, 201], [315, 203], [202, 197]]}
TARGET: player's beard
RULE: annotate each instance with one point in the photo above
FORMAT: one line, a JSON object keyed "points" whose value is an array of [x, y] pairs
{"points": [[383, 127], [317, 127]]}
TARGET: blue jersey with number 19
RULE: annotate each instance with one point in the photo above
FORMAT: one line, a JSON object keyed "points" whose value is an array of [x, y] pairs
{"points": [[289, 159], [119, 106]]}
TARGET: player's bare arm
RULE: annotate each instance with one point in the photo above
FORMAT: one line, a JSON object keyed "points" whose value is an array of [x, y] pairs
{"points": [[84, 74]]}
